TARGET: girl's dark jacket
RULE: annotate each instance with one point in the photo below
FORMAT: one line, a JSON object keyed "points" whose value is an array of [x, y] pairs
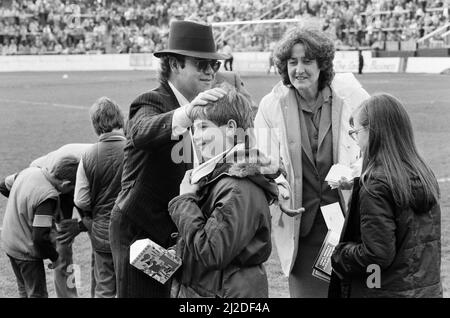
{"points": [[404, 243], [224, 233]]}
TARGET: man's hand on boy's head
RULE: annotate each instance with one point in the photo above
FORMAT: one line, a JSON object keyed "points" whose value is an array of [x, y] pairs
{"points": [[186, 186], [205, 97]]}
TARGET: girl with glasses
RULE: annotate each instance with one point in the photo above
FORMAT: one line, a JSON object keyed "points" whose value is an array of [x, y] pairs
{"points": [[390, 245]]}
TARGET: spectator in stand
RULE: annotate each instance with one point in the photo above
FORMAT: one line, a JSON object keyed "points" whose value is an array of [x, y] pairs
{"points": [[360, 62], [79, 19], [228, 51]]}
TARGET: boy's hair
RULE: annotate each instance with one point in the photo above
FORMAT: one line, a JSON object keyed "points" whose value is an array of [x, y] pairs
{"points": [[106, 116], [66, 169], [233, 105]]}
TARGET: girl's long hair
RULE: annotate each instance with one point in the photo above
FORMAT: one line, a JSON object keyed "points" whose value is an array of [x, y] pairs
{"points": [[392, 151]]}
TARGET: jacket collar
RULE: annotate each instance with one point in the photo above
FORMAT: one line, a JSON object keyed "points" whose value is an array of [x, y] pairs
{"points": [[180, 97], [112, 136], [291, 118], [165, 89], [240, 162]]}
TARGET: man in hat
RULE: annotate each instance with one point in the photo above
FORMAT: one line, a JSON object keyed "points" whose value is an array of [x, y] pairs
{"points": [[158, 150]]}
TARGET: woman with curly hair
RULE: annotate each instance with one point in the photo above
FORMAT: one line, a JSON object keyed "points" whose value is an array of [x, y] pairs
{"points": [[307, 115]]}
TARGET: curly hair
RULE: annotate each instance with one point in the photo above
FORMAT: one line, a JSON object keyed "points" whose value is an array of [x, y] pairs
{"points": [[318, 46], [165, 71]]}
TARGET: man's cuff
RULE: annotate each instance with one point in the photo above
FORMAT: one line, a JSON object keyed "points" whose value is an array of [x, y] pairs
{"points": [[180, 121], [281, 179], [54, 257], [82, 227]]}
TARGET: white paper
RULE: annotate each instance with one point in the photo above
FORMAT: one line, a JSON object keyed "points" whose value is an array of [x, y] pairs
{"points": [[137, 247], [333, 217], [338, 171], [196, 151]]}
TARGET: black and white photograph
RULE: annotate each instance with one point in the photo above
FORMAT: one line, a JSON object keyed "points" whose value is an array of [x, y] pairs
{"points": [[224, 149]]}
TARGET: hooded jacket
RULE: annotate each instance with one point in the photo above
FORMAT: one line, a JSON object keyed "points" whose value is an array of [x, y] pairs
{"points": [[404, 243], [224, 232]]}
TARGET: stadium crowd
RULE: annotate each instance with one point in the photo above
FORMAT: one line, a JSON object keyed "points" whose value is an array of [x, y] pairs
{"points": [[141, 26]]}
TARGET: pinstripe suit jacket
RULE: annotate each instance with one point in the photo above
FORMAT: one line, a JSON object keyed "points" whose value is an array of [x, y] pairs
{"points": [[150, 176]]}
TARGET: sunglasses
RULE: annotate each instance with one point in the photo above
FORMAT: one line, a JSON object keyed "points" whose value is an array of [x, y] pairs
{"points": [[202, 65], [354, 132]]}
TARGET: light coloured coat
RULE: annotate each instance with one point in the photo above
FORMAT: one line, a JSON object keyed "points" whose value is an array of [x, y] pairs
{"points": [[279, 112]]}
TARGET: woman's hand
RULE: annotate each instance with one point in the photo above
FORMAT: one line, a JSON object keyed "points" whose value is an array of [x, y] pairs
{"points": [[284, 194], [186, 186], [337, 260], [345, 184]]}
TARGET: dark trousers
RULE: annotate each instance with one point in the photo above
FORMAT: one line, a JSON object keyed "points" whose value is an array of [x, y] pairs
{"points": [[30, 277], [360, 67], [130, 281], [230, 63], [302, 284]]}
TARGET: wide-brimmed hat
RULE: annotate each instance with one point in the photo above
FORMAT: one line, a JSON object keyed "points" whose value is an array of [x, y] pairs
{"points": [[191, 39]]}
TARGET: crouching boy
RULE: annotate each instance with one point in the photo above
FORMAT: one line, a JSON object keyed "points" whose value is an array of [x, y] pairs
{"points": [[30, 216], [222, 212]]}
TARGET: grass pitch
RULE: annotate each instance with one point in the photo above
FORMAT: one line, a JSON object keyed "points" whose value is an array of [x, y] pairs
{"points": [[39, 112]]}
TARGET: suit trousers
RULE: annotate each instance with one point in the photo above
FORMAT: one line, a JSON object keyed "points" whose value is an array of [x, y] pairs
{"points": [[302, 284], [130, 281]]}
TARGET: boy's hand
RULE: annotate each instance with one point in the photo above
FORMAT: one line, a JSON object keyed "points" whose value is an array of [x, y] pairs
{"points": [[186, 186]]}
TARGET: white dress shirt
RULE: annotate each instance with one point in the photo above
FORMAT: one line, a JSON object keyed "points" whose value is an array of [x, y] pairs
{"points": [[180, 119]]}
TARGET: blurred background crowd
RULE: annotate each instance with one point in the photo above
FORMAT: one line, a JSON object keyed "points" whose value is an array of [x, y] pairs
{"points": [[141, 26]]}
